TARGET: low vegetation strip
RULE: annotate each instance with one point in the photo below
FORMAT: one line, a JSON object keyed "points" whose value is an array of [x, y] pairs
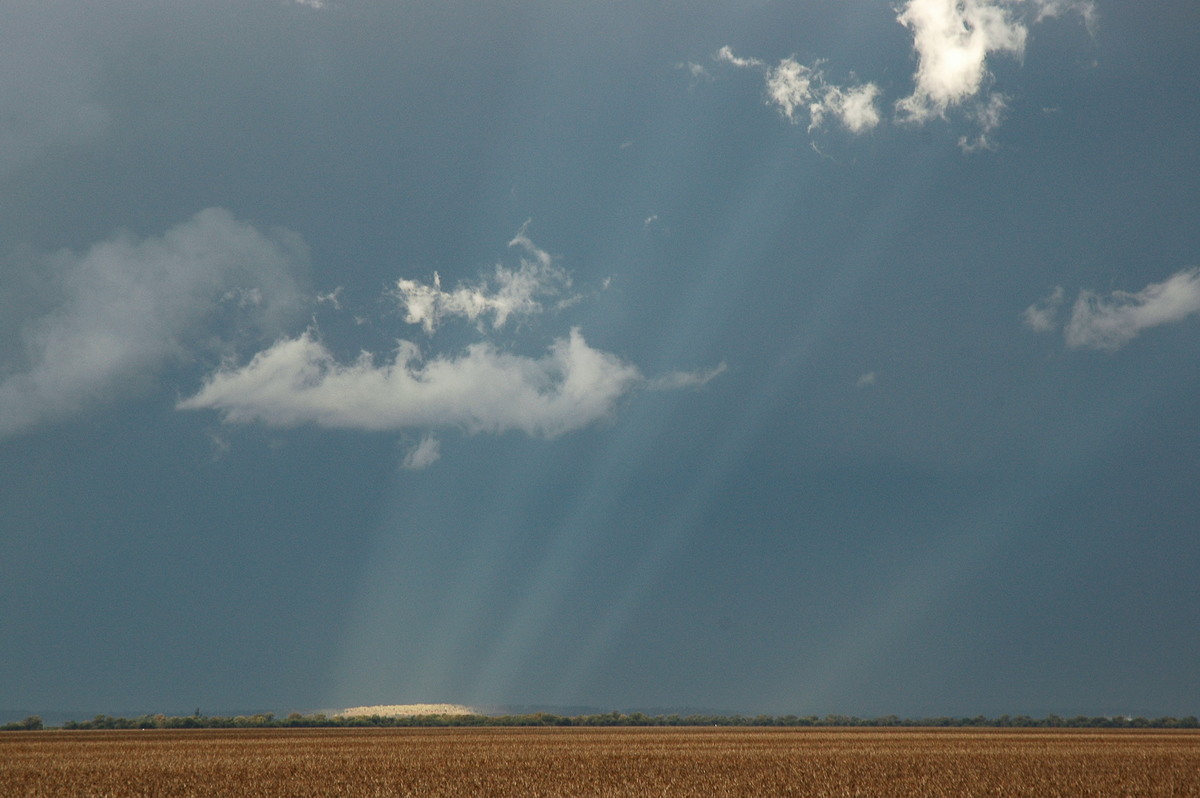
{"points": [[532, 762], [455, 715]]}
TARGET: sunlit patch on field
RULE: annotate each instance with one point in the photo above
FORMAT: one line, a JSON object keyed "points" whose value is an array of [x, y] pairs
{"points": [[406, 710]]}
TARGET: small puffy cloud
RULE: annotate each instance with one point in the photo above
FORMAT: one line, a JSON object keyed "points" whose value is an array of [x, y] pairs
{"points": [[725, 54], [332, 297], [855, 107], [117, 314], [790, 86], [953, 40], [797, 89], [508, 292], [423, 455], [865, 380], [484, 389], [1109, 322]]}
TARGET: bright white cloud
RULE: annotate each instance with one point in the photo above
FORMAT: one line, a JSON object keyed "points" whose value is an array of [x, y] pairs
{"points": [[953, 40], [122, 310], [798, 89], [509, 292], [298, 381], [1109, 322]]}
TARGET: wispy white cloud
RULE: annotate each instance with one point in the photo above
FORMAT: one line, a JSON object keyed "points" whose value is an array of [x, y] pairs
{"points": [[484, 389], [988, 115], [685, 379], [423, 455], [126, 307], [865, 380], [508, 292], [332, 297], [726, 55], [1042, 316], [1057, 8], [798, 89], [1109, 322], [954, 39]]}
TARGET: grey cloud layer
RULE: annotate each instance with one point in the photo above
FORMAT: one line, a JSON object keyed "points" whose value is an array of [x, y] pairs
{"points": [[1109, 322], [126, 307], [46, 94]]}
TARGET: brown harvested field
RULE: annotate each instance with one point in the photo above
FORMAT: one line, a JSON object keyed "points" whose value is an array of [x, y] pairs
{"points": [[706, 762]]}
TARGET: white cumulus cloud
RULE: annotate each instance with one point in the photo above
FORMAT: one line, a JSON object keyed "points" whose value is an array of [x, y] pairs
{"points": [[1110, 321], [954, 39], [119, 312], [484, 389]]}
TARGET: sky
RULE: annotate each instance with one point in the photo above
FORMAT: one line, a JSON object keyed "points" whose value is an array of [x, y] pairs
{"points": [[766, 357]]}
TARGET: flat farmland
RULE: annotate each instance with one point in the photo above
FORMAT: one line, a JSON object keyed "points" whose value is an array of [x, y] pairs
{"points": [[579, 761]]}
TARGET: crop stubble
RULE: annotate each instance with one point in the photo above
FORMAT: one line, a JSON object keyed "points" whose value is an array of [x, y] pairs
{"points": [[709, 762]]}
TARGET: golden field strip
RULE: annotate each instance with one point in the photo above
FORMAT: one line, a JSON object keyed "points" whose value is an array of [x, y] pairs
{"points": [[708, 762]]}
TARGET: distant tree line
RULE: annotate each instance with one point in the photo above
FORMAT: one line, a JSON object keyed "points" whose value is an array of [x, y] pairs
{"points": [[296, 720], [31, 723]]}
